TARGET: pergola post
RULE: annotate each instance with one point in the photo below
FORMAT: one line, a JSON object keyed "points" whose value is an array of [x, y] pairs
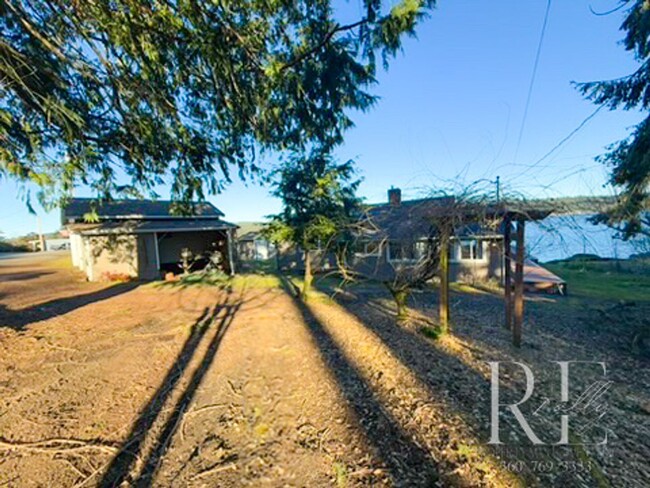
{"points": [[444, 280], [507, 276], [519, 285], [231, 255]]}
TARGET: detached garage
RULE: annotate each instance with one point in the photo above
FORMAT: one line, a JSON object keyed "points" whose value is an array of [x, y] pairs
{"points": [[141, 239]]}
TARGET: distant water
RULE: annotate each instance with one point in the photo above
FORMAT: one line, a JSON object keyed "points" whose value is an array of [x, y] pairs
{"points": [[560, 237]]}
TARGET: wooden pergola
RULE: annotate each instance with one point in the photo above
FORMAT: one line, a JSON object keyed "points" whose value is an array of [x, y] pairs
{"points": [[514, 302], [509, 217], [442, 218]]}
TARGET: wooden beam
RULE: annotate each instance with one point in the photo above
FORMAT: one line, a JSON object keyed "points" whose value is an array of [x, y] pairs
{"points": [[444, 280], [156, 252], [519, 286], [507, 276], [231, 254]]}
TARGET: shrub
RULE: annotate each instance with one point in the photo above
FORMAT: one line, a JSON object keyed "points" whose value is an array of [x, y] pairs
{"points": [[210, 278], [431, 332], [9, 247]]}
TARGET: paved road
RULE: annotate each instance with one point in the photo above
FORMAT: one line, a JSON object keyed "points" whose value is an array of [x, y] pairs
{"points": [[5, 256]]}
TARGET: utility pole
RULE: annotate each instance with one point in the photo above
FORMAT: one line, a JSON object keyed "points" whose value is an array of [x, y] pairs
{"points": [[498, 183], [41, 238]]}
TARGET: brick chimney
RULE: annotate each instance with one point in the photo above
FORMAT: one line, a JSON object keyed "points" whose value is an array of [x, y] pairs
{"points": [[394, 197]]}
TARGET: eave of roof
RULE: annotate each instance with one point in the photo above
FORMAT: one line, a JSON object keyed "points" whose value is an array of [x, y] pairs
{"points": [[250, 236], [131, 209], [148, 227], [416, 218]]}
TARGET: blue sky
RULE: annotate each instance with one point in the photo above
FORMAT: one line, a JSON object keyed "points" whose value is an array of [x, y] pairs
{"points": [[452, 105]]}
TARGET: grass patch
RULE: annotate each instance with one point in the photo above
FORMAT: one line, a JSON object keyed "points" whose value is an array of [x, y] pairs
{"points": [[596, 473], [340, 475], [219, 279], [434, 333], [598, 280], [211, 278], [262, 266], [477, 289], [319, 293], [254, 280], [64, 262]]}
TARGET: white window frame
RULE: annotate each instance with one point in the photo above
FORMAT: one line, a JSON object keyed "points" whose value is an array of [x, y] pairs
{"points": [[456, 256], [404, 260], [365, 252]]}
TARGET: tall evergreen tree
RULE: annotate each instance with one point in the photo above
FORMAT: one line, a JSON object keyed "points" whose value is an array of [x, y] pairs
{"points": [[629, 158], [184, 90], [318, 204]]}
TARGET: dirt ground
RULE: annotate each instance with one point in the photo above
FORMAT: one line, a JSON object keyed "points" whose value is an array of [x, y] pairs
{"points": [[144, 385], [456, 367]]}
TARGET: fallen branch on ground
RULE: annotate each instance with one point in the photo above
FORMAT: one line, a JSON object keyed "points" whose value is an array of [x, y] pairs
{"points": [[58, 445], [215, 469]]}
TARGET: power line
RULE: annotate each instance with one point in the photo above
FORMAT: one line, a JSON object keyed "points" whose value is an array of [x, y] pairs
{"points": [[611, 11], [562, 142], [498, 183], [532, 78]]}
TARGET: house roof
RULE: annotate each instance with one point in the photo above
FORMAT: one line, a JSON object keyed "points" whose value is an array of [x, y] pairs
{"points": [[142, 226], [249, 231], [409, 218], [413, 219], [77, 208]]}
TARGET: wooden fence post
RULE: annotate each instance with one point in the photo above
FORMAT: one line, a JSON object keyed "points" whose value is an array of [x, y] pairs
{"points": [[507, 277], [519, 286]]}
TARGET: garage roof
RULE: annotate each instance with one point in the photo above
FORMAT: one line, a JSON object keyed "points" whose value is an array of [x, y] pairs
{"points": [[149, 226], [78, 208]]}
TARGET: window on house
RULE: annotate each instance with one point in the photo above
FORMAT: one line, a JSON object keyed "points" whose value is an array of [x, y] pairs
{"points": [[471, 249], [367, 247], [420, 249], [402, 251]]}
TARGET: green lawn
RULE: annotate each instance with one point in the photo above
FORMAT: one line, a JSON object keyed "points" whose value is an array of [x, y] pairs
{"points": [[596, 280], [603, 281], [266, 266]]}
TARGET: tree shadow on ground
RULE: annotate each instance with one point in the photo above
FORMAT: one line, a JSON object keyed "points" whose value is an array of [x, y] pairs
{"points": [[21, 318], [597, 327], [458, 385], [418, 354], [122, 465], [30, 275], [408, 463]]}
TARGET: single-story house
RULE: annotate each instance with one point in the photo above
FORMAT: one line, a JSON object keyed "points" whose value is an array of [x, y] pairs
{"points": [[50, 244], [395, 234], [251, 243], [143, 239], [62, 244]]}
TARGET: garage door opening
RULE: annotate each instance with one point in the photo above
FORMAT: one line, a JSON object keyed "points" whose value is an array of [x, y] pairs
{"points": [[204, 247]]}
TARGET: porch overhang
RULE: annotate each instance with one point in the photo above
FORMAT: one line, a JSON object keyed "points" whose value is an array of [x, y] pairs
{"points": [[151, 226]]}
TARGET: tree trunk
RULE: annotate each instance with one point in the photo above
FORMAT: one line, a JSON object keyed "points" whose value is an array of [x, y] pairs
{"points": [[401, 298], [444, 282], [306, 287], [519, 286]]}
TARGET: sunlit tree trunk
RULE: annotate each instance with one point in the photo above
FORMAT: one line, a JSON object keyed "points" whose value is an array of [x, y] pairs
{"points": [[444, 281], [308, 278], [401, 302]]}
